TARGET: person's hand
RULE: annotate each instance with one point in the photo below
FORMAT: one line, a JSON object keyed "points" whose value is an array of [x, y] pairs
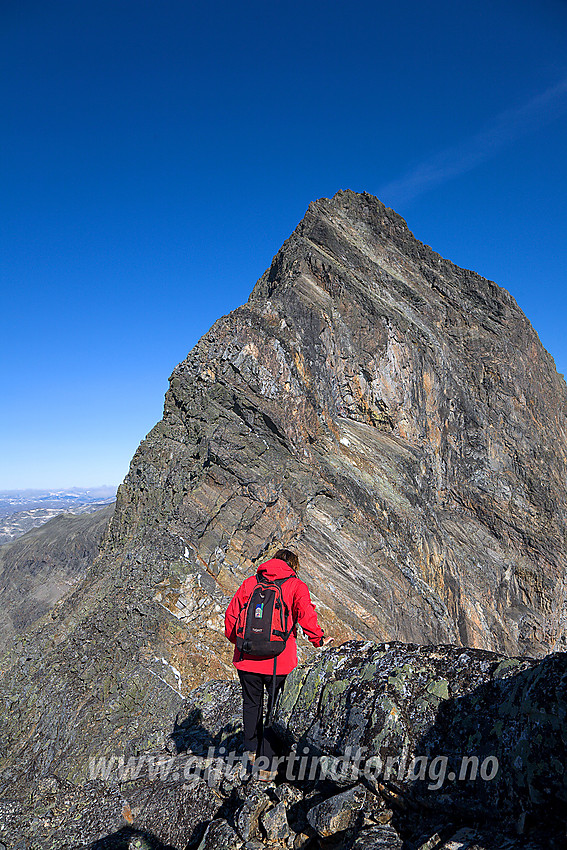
{"points": [[327, 641]]}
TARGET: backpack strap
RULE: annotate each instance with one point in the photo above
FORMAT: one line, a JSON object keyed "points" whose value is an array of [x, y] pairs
{"points": [[241, 652], [284, 634]]}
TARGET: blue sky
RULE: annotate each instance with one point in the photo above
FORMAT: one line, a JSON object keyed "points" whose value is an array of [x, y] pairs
{"points": [[155, 155]]}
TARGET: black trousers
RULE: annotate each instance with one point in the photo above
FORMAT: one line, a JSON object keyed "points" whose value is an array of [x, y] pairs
{"points": [[257, 739]]}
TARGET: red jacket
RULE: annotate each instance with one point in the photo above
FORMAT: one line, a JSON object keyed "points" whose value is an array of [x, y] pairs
{"points": [[296, 596]]}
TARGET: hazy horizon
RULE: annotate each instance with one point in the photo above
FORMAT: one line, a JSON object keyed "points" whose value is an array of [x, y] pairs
{"points": [[71, 489]]}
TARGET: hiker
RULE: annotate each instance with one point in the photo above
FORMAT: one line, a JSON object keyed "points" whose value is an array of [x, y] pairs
{"points": [[249, 626]]}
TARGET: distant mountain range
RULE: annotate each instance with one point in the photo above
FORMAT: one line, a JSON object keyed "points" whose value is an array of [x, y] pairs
{"points": [[22, 510]]}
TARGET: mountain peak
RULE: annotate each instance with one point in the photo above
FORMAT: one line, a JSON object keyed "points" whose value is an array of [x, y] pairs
{"points": [[413, 390], [388, 416], [364, 246]]}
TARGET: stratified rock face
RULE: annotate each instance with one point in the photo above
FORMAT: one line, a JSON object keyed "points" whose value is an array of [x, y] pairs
{"points": [[393, 418]]}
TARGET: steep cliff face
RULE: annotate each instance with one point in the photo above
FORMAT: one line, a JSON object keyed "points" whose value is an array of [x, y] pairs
{"points": [[391, 417]]}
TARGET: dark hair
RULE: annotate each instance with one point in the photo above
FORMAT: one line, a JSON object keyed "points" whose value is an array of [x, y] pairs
{"points": [[289, 557]]}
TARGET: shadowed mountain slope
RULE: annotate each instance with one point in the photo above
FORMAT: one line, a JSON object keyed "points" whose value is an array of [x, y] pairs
{"points": [[39, 568]]}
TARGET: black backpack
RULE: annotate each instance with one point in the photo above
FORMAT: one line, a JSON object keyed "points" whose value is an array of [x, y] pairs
{"points": [[261, 626]]}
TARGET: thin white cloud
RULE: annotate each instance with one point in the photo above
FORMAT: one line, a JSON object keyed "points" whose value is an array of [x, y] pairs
{"points": [[505, 129]]}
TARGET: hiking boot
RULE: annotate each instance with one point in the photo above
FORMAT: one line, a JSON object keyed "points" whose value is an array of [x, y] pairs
{"points": [[267, 775], [246, 765]]}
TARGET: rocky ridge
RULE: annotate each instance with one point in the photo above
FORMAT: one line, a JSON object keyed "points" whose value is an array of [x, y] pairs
{"points": [[394, 747], [390, 416]]}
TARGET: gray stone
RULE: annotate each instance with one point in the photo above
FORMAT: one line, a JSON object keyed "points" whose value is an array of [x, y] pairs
{"points": [[378, 838], [434, 841], [247, 816], [461, 840], [337, 813], [288, 794], [219, 835], [172, 812], [275, 824]]}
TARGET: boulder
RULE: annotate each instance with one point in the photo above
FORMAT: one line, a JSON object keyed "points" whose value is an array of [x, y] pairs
{"points": [[275, 824], [338, 813], [219, 835], [247, 816], [448, 727]]}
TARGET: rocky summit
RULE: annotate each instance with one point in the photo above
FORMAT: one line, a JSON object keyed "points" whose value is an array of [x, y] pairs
{"points": [[391, 417]]}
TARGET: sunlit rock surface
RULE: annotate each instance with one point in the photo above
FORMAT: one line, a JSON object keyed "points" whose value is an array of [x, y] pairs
{"points": [[391, 416], [459, 729]]}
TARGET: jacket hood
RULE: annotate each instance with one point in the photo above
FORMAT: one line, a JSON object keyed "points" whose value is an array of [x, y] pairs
{"points": [[274, 568]]}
